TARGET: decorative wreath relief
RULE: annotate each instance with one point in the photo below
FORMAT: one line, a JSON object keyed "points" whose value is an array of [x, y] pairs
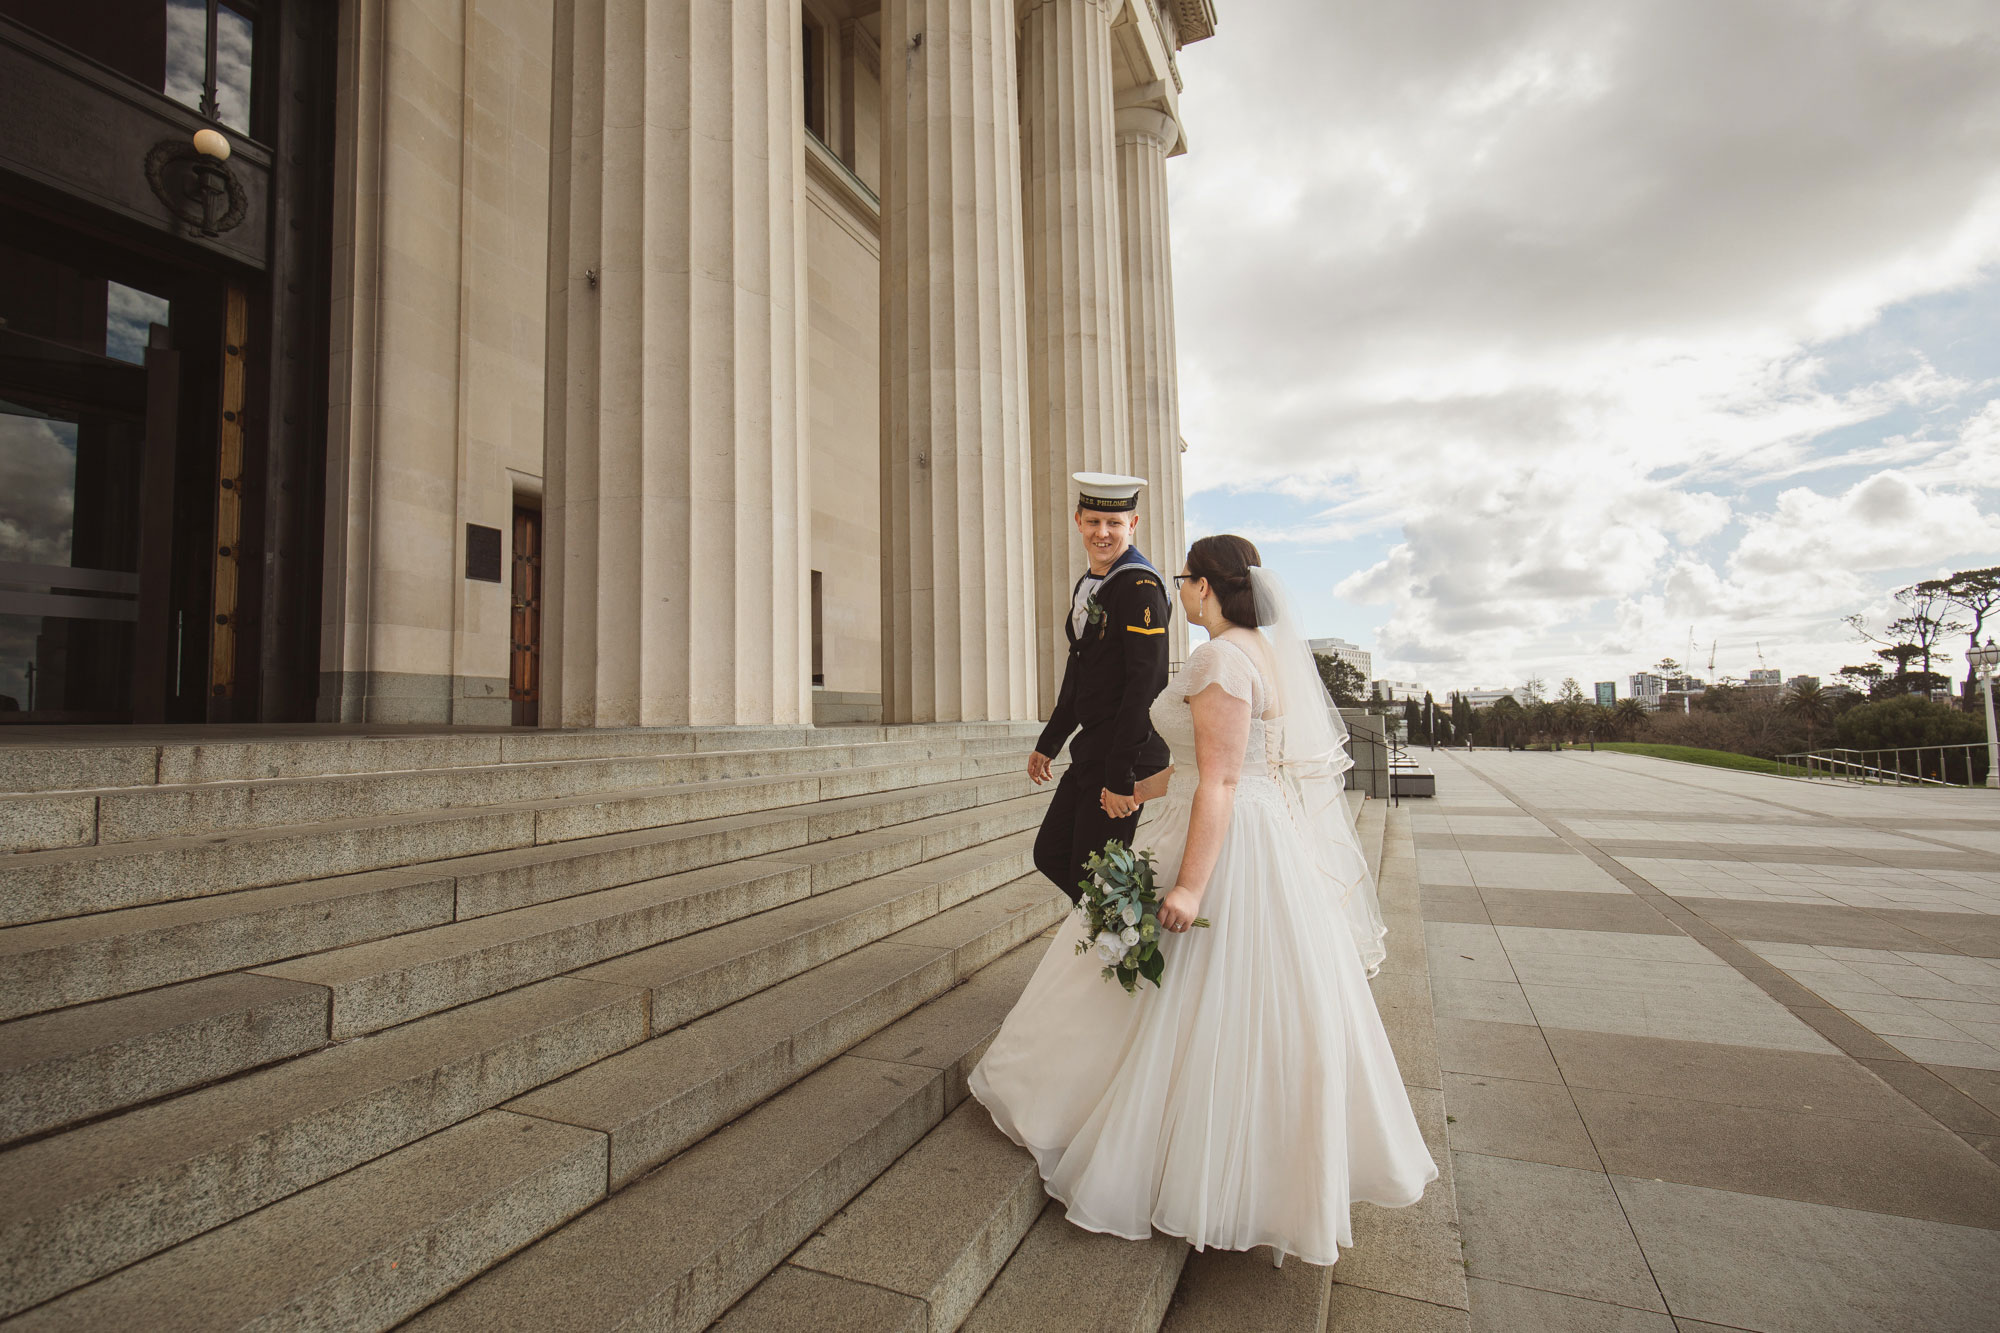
{"points": [[1121, 906]]}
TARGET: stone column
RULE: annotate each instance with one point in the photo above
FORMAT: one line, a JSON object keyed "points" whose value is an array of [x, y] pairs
{"points": [[676, 501], [958, 613], [1145, 137], [1076, 304]]}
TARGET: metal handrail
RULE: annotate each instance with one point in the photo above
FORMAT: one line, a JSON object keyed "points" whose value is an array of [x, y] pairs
{"points": [[1869, 766]]}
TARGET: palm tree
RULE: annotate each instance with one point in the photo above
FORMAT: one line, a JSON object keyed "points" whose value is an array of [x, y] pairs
{"points": [[1631, 715], [1812, 705]]}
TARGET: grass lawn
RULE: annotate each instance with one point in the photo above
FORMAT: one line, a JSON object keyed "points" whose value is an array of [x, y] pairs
{"points": [[1688, 754]]}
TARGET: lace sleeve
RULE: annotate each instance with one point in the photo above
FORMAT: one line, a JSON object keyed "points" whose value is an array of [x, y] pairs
{"points": [[1217, 663]]}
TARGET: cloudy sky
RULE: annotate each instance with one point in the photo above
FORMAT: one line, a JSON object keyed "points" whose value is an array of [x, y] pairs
{"points": [[1536, 337]]}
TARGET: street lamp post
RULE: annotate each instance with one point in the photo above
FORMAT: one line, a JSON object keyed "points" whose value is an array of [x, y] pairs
{"points": [[1984, 660]]}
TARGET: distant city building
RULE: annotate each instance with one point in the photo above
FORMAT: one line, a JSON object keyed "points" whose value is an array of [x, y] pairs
{"points": [[1802, 683], [1353, 654], [1771, 677], [1607, 693], [1396, 690], [1487, 698], [1647, 688]]}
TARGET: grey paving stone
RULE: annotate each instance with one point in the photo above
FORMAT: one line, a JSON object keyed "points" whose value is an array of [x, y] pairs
{"points": [[1716, 1006], [1500, 1308], [1361, 1310], [1486, 1001], [1781, 1266], [1910, 1170], [1621, 911], [38, 768], [60, 1068], [1533, 1122], [940, 1223], [1553, 1228], [793, 1298], [677, 1248], [1822, 1083], [1065, 1277], [1499, 1050], [366, 1249], [96, 1198]]}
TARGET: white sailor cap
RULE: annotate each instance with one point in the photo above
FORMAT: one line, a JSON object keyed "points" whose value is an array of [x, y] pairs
{"points": [[1107, 493]]}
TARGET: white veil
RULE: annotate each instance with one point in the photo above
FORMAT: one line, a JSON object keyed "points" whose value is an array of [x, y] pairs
{"points": [[1311, 758]]}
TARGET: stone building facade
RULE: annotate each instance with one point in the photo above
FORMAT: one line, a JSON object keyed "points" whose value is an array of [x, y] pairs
{"points": [[765, 335]]}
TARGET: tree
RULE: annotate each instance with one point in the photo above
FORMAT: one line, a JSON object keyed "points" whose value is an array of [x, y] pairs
{"points": [[1811, 706], [1461, 716], [1570, 692], [1533, 690], [1975, 592], [1868, 679], [1914, 636], [1631, 716], [1342, 679], [1667, 667]]}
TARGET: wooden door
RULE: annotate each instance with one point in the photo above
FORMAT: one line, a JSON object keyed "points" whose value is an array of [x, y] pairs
{"points": [[524, 679]]}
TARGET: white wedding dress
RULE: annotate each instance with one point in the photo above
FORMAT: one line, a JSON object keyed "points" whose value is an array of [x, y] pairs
{"points": [[1254, 1097]]}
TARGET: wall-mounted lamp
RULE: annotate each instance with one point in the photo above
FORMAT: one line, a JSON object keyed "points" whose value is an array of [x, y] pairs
{"points": [[190, 178]]}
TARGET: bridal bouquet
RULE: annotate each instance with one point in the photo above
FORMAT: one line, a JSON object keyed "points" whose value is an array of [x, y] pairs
{"points": [[1121, 907]]}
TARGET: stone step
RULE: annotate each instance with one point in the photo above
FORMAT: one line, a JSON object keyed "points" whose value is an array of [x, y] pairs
{"points": [[568, 790], [917, 1249], [76, 1064], [92, 1200], [673, 1250], [1065, 1277], [364, 1250], [142, 814], [690, 977], [1224, 1291], [50, 964], [52, 885], [656, 1099], [387, 982], [209, 755]]}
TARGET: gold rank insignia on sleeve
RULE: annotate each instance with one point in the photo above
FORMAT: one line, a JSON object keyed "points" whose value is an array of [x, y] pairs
{"points": [[1140, 629]]}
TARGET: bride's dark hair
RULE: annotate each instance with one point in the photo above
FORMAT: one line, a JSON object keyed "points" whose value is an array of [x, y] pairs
{"points": [[1225, 561]]}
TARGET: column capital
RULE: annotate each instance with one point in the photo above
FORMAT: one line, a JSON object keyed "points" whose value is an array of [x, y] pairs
{"points": [[1140, 124], [1023, 8]]}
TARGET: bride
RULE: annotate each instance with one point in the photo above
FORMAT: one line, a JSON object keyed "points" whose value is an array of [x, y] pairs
{"points": [[1253, 1098]]}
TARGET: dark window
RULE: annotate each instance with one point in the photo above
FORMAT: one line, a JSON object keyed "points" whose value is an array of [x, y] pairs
{"points": [[198, 52], [482, 553], [812, 45]]}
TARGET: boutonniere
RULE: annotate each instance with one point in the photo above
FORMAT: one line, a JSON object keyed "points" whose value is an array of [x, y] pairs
{"points": [[1093, 610]]}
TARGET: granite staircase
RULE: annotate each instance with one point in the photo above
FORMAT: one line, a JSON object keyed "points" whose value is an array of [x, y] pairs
{"points": [[528, 1031]]}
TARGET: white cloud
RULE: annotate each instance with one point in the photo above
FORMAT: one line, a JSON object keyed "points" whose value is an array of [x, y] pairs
{"points": [[1537, 296]]}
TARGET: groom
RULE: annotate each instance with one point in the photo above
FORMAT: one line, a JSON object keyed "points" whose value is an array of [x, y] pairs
{"points": [[1117, 631]]}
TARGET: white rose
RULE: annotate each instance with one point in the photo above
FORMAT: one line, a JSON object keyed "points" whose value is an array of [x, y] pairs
{"points": [[1128, 937], [1110, 948], [1130, 914]]}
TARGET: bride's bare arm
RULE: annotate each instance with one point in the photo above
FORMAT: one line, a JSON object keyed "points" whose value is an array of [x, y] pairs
{"points": [[1221, 731]]}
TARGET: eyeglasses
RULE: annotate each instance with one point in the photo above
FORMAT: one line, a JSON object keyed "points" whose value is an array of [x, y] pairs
{"points": [[1180, 579]]}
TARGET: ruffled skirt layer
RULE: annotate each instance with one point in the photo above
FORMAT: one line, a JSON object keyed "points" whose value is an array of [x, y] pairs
{"points": [[1252, 1100]]}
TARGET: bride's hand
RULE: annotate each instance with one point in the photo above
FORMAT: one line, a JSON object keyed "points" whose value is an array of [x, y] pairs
{"points": [[1179, 909], [1154, 787]]}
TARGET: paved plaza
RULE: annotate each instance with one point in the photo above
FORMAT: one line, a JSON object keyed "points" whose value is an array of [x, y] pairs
{"points": [[1719, 1050]]}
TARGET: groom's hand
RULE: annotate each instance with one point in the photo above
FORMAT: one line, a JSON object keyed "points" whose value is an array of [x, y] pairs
{"points": [[1118, 806], [1038, 768]]}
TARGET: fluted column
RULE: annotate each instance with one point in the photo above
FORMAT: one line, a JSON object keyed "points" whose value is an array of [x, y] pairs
{"points": [[1076, 316], [958, 612], [675, 489], [1145, 137]]}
